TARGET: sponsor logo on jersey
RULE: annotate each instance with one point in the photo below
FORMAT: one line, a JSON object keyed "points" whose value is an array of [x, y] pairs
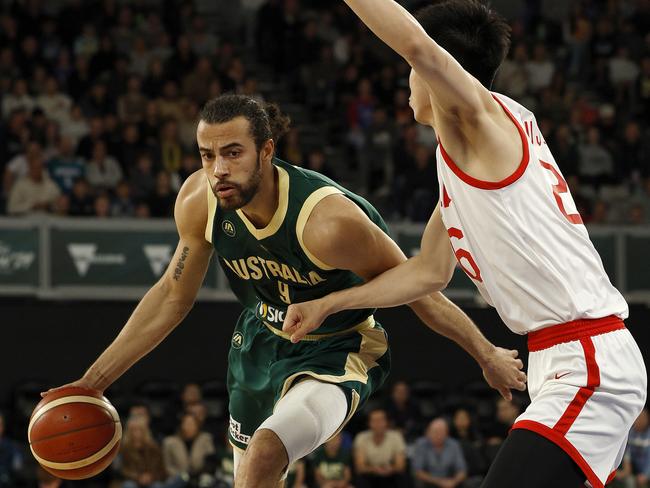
{"points": [[229, 228], [159, 256], [12, 261], [85, 255], [237, 340], [270, 314], [257, 268], [234, 429]]}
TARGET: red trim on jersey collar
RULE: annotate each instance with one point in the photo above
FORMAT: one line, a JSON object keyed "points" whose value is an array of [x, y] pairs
{"points": [[572, 331], [493, 185]]}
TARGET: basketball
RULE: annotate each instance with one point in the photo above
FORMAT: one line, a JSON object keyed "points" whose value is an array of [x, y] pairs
{"points": [[74, 433]]}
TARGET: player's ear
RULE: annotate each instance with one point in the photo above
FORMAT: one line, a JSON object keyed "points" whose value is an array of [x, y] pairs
{"points": [[268, 148]]}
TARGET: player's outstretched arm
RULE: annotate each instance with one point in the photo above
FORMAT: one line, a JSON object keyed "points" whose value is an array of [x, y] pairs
{"points": [[452, 89], [339, 234], [169, 300]]}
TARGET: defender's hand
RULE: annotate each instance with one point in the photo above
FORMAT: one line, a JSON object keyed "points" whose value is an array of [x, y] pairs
{"points": [[80, 383], [502, 371], [302, 318]]}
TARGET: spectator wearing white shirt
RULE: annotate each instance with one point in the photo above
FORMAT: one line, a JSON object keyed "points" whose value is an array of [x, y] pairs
{"points": [[55, 104], [19, 98], [540, 69], [103, 171], [35, 192]]}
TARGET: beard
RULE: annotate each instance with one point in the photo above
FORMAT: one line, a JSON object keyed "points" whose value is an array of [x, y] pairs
{"points": [[243, 193]]}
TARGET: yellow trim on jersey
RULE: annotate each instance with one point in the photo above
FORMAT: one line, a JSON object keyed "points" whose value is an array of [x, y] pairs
{"points": [[366, 324], [303, 217], [212, 210], [373, 346], [280, 212]]}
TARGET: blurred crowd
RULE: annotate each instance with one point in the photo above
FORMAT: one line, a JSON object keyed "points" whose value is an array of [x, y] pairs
{"points": [[99, 100], [416, 436]]}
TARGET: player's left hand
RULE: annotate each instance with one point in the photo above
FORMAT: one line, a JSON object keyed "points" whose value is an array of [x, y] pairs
{"points": [[302, 318], [503, 372]]}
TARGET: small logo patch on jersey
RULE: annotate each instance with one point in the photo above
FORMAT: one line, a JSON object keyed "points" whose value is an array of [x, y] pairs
{"points": [[229, 228], [558, 376], [237, 340]]}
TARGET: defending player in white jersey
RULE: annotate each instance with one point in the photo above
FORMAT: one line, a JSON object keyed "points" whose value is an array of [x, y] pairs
{"points": [[514, 229]]}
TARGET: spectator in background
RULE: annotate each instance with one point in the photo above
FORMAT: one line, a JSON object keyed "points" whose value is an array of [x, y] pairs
{"points": [[11, 459], [142, 461], [94, 135], [316, 161], [403, 411], [171, 150], [225, 472], [18, 166], [161, 202], [471, 444], [437, 459], [131, 105], [540, 69], [332, 465], [35, 192], [102, 206], [379, 454], [185, 453], [419, 189], [19, 98], [596, 163], [81, 199], [103, 171], [76, 127], [55, 105], [122, 204], [638, 447], [65, 167], [506, 414]]}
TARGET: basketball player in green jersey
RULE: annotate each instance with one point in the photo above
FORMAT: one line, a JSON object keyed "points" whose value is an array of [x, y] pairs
{"points": [[283, 235]]}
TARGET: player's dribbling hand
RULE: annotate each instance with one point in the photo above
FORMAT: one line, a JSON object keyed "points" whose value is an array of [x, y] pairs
{"points": [[503, 372], [80, 383], [302, 318]]}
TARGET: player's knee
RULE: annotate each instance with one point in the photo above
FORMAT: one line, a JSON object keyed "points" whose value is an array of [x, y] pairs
{"points": [[265, 456]]}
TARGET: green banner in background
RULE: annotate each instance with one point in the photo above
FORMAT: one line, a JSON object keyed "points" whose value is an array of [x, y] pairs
{"points": [[19, 259], [112, 258]]}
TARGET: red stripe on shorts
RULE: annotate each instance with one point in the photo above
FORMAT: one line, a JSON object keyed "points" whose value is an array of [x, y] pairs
{"points": [[593, 381]]}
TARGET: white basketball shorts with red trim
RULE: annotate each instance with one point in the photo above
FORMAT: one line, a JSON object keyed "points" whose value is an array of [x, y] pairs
{"points": [[587, 383]]}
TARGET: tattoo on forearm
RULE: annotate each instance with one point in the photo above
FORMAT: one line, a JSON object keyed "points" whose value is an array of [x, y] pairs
{"points": [[180, 265]]}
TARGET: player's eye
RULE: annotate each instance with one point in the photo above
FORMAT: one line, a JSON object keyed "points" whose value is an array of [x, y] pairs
{"points": [[234, 154], [207, 156]]}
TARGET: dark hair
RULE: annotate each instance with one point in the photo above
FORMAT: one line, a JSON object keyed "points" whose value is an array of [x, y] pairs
{"points": [[266, 120], [474, 34]]}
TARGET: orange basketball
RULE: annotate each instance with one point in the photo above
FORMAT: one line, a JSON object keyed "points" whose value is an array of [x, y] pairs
{"points": [[74, 433]]}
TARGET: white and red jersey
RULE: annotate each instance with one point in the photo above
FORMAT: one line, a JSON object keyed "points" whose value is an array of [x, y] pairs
{"points": [[522, 241]]}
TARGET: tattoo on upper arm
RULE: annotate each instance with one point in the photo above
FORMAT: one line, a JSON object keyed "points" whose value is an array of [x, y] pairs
{"points": [[180, 265]]}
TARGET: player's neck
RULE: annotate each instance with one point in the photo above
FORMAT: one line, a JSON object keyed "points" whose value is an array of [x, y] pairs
{"points": [[261, 209]]}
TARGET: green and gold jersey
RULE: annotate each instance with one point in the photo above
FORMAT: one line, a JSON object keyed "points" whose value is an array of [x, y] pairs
{"points": [[270, 268]]}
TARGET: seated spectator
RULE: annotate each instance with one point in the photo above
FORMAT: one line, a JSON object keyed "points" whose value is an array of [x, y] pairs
{"points": [[11, 459], [142, 461], [638, 447], [437, 459], [65, 167], [161, 203], [35, 192], [102, 206], [142, 178], [185, 453], [470, 442], [403, 411], [596, 163], [103, 171], [122, 205], [18, 166], [81, 199], [379, 454], [495, 433], [332, 465]]}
